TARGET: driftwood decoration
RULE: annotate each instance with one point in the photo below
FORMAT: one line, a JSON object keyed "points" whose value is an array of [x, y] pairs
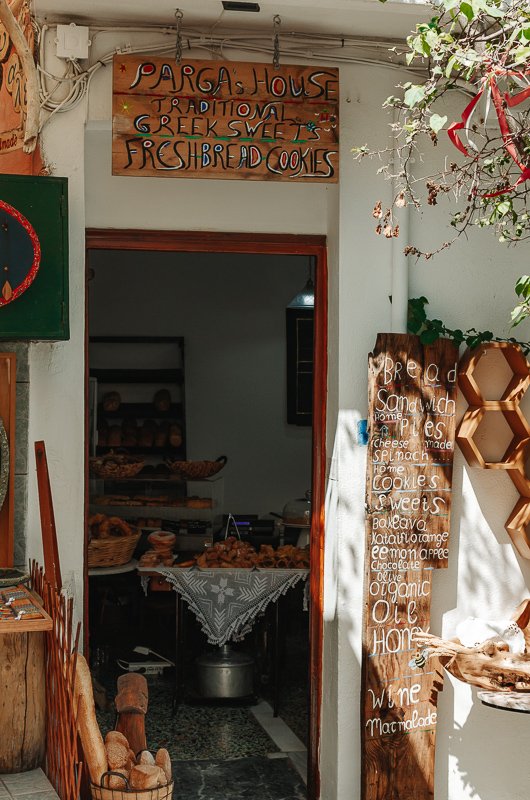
{"points": [[14, 31], [490, 665]]}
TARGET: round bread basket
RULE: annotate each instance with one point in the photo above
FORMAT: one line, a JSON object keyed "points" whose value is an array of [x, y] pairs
{"points": [[112, 552], [116, 465], [103, 793], [197, 470]]}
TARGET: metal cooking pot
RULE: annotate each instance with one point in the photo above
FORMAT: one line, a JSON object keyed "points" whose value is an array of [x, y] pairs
{"points": [[225, 673]]}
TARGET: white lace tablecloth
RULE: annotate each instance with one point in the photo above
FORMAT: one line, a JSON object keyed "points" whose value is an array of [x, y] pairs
{"points": [[227, 601]]}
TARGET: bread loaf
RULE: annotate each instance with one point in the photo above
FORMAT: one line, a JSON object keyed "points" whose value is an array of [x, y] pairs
{"points": [[146, 776], [89, 733], [117, 754], [147, 436], [175, 435], [111, 401], [161, 435], [117, 737], [114, 437], [146, 758], [162, 400], [163, 760], [117, 782]]}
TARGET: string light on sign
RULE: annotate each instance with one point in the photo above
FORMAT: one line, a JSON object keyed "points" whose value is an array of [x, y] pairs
{"points": [[20, 253]]}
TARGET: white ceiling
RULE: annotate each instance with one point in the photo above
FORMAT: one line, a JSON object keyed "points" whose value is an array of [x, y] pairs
{"points": [[347, 17]]}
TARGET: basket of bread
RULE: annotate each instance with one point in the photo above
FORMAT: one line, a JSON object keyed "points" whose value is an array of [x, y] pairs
{"points": [[142, 777], [111, 541], [116, 465], [196, 470]]}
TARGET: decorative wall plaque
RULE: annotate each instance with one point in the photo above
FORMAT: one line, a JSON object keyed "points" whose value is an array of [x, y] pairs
{"points": [[19, 253]]}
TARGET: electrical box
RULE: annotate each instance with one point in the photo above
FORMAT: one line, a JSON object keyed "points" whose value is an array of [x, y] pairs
{"points": [[72, 41]]}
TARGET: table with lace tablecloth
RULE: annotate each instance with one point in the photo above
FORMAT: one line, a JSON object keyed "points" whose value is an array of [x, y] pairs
{"points": [[227, 602]]}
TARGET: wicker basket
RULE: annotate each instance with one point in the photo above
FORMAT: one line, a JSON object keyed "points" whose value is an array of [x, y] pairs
{"points": [[112, 552], [197, 470], [116, 466], [102, 793]]}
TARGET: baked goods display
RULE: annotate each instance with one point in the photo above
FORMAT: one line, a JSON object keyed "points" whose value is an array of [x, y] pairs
{"points": [[149, 434], [134, 772], [102, 527], [197, 470], [152, 501], [116, 465], [111, 541], [154, 558], [235, 554]]}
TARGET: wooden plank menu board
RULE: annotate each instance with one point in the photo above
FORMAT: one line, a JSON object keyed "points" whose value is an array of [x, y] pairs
{"points": [[216, 119], [412, 397]]}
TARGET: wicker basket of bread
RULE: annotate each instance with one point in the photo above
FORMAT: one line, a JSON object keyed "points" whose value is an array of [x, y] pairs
{"points": [[112, 541], [196, 470], [138, 777], [116, 465]]}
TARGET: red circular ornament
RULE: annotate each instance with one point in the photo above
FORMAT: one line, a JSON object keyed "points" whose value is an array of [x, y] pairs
{"points": [[20, 253]]}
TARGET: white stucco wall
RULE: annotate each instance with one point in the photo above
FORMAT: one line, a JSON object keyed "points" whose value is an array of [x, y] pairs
{"points": [[480, 752]]}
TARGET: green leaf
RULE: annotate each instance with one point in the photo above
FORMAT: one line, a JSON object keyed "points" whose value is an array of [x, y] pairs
{"points": [[429, 336], [522, 287], [414, 95], [414, 325], [518, 314], [467, 11], [436, 122], [521, 54], [450, 4], [503, 207], [450, 64]]}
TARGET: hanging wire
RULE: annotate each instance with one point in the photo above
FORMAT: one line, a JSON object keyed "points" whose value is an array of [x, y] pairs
{"points": [[178, 50], [277, 21]]}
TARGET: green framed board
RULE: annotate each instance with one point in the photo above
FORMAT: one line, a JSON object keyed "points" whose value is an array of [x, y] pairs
{"points": [[41, 311]]}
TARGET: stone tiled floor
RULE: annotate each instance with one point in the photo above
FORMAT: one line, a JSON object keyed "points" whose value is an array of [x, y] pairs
{"points": [[33, 785], [198, 731], [256, 778]]}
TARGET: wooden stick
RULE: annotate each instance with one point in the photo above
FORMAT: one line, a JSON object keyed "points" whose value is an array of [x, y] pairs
{"points": [[52, 564]]}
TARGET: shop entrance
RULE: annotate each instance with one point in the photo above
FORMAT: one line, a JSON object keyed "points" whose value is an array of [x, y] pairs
{"points": [[189, 341]]}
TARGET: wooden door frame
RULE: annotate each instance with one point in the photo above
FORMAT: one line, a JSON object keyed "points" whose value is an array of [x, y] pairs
{"points": [[272, 244]]}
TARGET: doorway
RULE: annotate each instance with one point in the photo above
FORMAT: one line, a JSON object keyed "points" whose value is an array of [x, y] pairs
{"points": [[262, 245]]}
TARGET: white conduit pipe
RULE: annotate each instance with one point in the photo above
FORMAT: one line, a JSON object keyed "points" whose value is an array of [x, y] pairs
{"points": [[400, 267]]}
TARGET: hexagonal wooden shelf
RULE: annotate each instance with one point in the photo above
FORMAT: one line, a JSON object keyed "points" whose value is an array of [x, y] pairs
{"points": [[517, 527], [512, 458], [517, 386]]}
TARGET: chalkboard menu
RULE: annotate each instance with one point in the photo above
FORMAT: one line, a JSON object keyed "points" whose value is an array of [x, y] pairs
{"points": [[216, 119], [412, 399]]}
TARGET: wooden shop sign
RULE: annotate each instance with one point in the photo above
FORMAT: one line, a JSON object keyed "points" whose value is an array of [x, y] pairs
{"points": [[412, 399], [215, 119]]}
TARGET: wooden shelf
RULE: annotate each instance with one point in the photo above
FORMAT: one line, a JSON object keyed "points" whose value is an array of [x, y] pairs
{"points": [[133, 375], [142, 451], [142, 411]]}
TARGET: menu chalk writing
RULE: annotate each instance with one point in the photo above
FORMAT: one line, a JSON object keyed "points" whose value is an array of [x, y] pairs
{"points": [[216, 119], [412, 407]]}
